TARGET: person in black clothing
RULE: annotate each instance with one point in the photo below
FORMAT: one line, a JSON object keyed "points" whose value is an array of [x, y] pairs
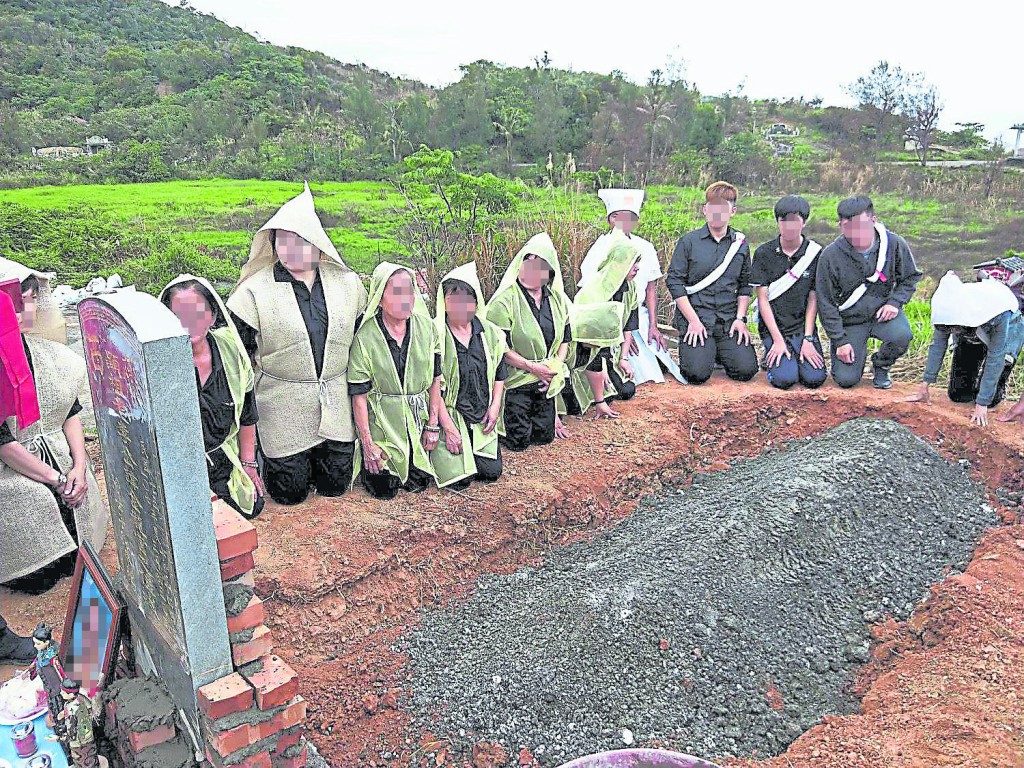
{"points": [[782, 275], [709, 279], [863, 280], [224, 381], [14, 649], [295, 308]]}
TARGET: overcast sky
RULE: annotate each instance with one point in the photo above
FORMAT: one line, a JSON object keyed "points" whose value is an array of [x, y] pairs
{"points": [[771, 49]]}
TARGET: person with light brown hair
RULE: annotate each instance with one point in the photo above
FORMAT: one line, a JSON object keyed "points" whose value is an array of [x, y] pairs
{"points": [[709, 279]]}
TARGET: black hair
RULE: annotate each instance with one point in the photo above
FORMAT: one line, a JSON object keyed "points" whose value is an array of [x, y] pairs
{"points": [[30, 283], [453, 286], [855, 206], [211, 302], [43, 633], [792, 204]]}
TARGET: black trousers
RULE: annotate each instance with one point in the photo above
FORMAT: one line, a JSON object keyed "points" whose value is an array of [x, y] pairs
{"points": [[966, 369], [386, 485], [487, 471], [43, 579], [218, 469], [529, 418], [698, 363], [326, 466]]}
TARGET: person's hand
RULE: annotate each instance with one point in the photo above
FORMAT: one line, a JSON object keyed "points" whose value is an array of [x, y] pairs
{"points": [[778, 351], [543, 373], [696, 333], [1016, 413], [810, 354], [430, 439], [626, 367], [980, 416], [453, 440], [373, 457], [76, 487], [739, 327], [254, 475], [921, 396], [560, 431], [845, 353], [886, 312], [491, 419], [654, 337], [604, 411]]}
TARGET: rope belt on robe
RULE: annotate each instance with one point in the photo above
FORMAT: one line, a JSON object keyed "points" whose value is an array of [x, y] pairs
{"points": [[417, 403], [37, 446], [325, 397]]}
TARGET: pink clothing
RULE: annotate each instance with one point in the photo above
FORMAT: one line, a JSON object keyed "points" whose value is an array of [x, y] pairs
{"points": [[17, 389]]}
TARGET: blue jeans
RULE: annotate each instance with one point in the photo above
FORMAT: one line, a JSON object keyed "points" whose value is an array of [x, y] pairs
{"points": [[979, 368], [791, 370]]}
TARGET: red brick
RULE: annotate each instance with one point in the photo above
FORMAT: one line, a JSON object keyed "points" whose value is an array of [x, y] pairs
{"points": [[299, 761], [227, 742], [236, 536], [292, 715], [276, 684], [147, 739], [251, 616], [286, 741], [226, 696], [268, 728], [259, 760], [236, 566], [261, 644]]}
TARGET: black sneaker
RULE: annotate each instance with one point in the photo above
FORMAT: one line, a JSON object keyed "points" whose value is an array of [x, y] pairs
{"points": [[15, 649], [882, 379]]}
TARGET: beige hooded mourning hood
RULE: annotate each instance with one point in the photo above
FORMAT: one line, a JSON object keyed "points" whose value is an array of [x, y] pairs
{"points": [[32, 533], [297, 409]]}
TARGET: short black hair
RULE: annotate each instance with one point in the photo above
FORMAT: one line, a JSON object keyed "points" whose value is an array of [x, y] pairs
{"points": [[792, 204], [30, 283], [453, 286], [211, 302], [855, 206], [43, 633]]}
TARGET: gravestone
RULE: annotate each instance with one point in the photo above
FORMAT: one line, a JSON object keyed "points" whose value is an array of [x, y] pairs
{"points": [[147, 415]]}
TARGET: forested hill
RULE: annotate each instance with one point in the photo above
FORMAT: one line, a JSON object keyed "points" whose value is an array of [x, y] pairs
{"points": [[181, 94]]}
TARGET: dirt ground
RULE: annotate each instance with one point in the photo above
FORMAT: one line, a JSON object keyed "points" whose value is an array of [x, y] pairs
{"points": [[342, 578]]}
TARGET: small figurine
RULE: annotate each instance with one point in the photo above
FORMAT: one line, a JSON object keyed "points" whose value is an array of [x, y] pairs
{"points": [[77, 715], [47, 667]]}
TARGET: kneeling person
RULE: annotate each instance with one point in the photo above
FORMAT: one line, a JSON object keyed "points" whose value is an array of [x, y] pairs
{"points": [[782, 275], [709, 279], [863, 280], [395, 381], [474, 370]]}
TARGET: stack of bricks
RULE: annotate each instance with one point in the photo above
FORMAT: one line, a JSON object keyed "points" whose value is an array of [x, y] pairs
{"points": [[140, 723], [252, 718]]}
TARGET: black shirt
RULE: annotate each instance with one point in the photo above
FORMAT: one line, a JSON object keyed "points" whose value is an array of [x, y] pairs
{"points": [[633, 321], [790, 309], [6, 436], [474, 389], [544, 316], [216, 406], [696, 256], [312, 306], [399, 354]]}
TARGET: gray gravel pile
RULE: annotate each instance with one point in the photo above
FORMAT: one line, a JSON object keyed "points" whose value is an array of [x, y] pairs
{"points": [[726, 618]]}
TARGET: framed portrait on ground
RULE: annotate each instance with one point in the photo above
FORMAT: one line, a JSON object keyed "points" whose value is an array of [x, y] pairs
{"points": [[92, 628]]}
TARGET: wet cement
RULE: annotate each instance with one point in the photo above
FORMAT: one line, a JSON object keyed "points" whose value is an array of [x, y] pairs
{"points": [[725, 618]]}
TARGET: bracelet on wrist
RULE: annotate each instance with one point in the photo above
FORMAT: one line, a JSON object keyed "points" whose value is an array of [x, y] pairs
{"points": [[62, 480], [250, 464], [811, 339], [433, 429]]}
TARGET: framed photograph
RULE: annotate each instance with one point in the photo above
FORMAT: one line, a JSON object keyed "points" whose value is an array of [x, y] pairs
{"points": [[92, 628]]}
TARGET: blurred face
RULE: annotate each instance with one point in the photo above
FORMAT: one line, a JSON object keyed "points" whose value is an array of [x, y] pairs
{"points": [[297, 255], [27, 316], [461, 309], [624, 220], [194, 313], [398, 298], [718, 213], [791, 226], [533, 273], [860, 231]]}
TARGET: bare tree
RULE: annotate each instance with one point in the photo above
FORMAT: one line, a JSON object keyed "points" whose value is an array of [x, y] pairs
{"points": [[922, 108], [884, 88]]}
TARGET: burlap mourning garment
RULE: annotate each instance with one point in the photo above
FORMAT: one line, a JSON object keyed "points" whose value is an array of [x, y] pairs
{"points": [[32, 533], [298, 409]]}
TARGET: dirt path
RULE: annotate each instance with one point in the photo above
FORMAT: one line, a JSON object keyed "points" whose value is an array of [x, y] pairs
{"points": [[343, 577]]}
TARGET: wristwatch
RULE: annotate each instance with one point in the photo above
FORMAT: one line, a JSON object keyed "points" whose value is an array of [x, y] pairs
{"points": [[810, 338], [62, 480]]}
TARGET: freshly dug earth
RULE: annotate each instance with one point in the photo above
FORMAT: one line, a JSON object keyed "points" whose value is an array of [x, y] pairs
{"points": [[722, 619]]}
